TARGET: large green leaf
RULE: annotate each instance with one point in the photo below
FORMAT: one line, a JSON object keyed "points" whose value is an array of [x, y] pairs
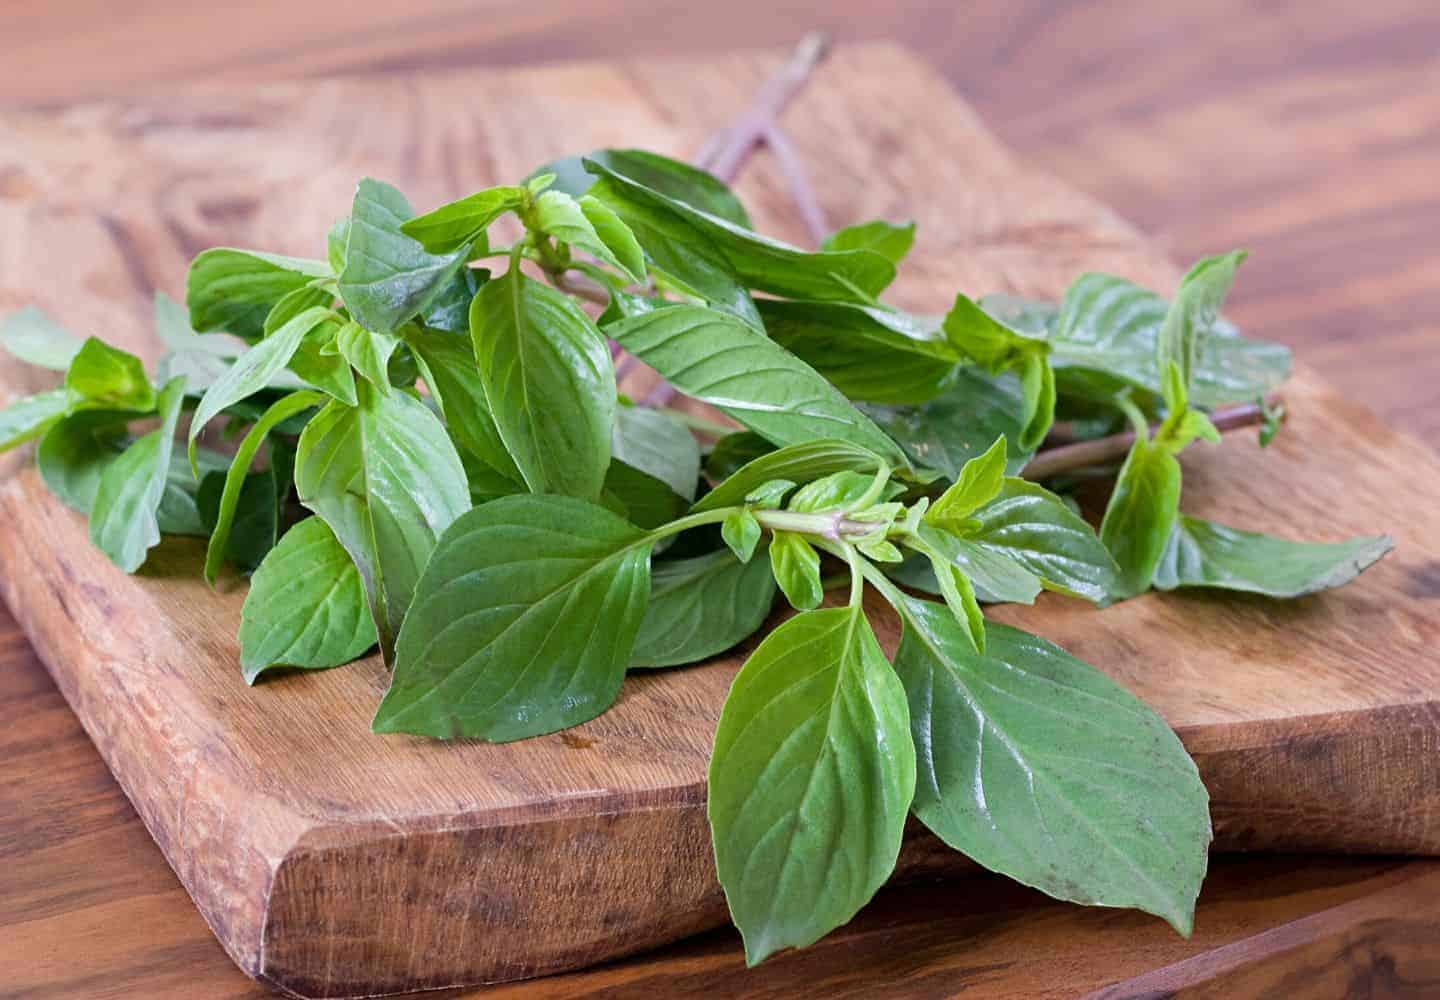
{"points": [[105, 377], [1206, 554], [31, 335], [1038, 766], [306, 605], [448, 366], [760, 262], [123, 522], [889, 239], [458, 223], [1141, 514], [715, 358], [798, 463], [700, 607], [31, 416], [522, 624], [386, 479], [658, 445], [810, 779], [870, 354], [234, 290], [388, 276], [549, 381]]}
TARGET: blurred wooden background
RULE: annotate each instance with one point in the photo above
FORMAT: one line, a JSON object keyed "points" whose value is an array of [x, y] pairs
{"points": [[1308, 132]]}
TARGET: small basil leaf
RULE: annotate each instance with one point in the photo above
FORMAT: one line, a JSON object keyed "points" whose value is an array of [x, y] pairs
{"points": [[31, 416], [979, 481], [701, 607], [889, 239], [388, 277], [769, 495], [105, 377], [454, 225], [447, 364], [123, 521], [620, 243], [450, 309], [1038, 766], [234, 290], [995, 577], [795, 463], [998, 348], [811, 776], [335, 242], [306, 605], [1206, 554], [959, 594], [797, 570], [522, 624], [319, 363], [558, 215], [31, 335], [1194, 311], [1141, 514], [839, 491], [741, 532], [715, 358], [367, 352], [535, 346]]}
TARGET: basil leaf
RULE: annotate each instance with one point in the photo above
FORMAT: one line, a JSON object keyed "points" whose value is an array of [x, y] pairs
{"points": [[447, 364], [335, 242], [960, 424], [712, 357], [386, 479], [319, 363], [1141, 514], [201, 359], [1206, 554], [672, 178], [450, 309], [522, 624], [388, 277], [455, 225], [31, 335], [179, 510], [536, 349], [956, 588], [76, 451], [254, 369], [234, 290], [741, 532], [123, 524], [871, 354], [979, 481], [734, 450], [1031, 526], [998, 348], [306, 605], [367, 352], [236, 479], [1039, 767], [639, 497], [837, 491], [105, 377], [994, 576], [701, 607], [251, 518], [760, 262], [1194, 311], [796, 567], [797, 463], [658, 445], [31, 416], [574, 222], [889, 239], [810, 779]]}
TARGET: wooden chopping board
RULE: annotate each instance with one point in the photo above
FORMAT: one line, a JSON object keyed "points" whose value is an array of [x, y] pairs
{"points": [[332, 862]]}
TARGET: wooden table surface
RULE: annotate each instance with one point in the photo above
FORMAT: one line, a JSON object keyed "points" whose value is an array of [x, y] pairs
{"points": [[1307, 131]]}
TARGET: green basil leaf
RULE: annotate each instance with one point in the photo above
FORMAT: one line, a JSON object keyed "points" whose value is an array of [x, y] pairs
{"points": [[367, 352], [335, 242], [450, 309], [76, 451], [306, 605], [236, 479], [957, 590], [890, 240], [616, 237], [388, 277], [486, 484], [1206, 554], [1141, 514], [760, 262], [255, 368], [701, 607], [447, 364], [672, 178], [522, 624], [979, 481], [574, 222], [870, 354], [741, 532], [960, 424], [732, 451], [841, 491], [994, 576], [319, 363], [105, 377], [179, 510], [811, 776], [455, 225], [639, 497], [770, 495], [123, 521], [537, 350], [1194, 311], [234, 290], [796, 567], [659, 445], [385, 477], [31, 416], [1031, 526], [251, 518], [796, 463], [1039, 767], [200, 358], [31, 335], [996, 348], [712, 357]]}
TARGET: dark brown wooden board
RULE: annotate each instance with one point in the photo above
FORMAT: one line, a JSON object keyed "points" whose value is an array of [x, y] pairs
{"points": [[330, 861]]}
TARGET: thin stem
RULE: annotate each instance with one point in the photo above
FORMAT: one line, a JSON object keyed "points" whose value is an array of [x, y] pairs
{"points": [[1101, 451], [806, 203]]}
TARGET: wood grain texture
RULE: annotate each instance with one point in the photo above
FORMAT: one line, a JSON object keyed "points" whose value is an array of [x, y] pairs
{"points": [[174, 198]]}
